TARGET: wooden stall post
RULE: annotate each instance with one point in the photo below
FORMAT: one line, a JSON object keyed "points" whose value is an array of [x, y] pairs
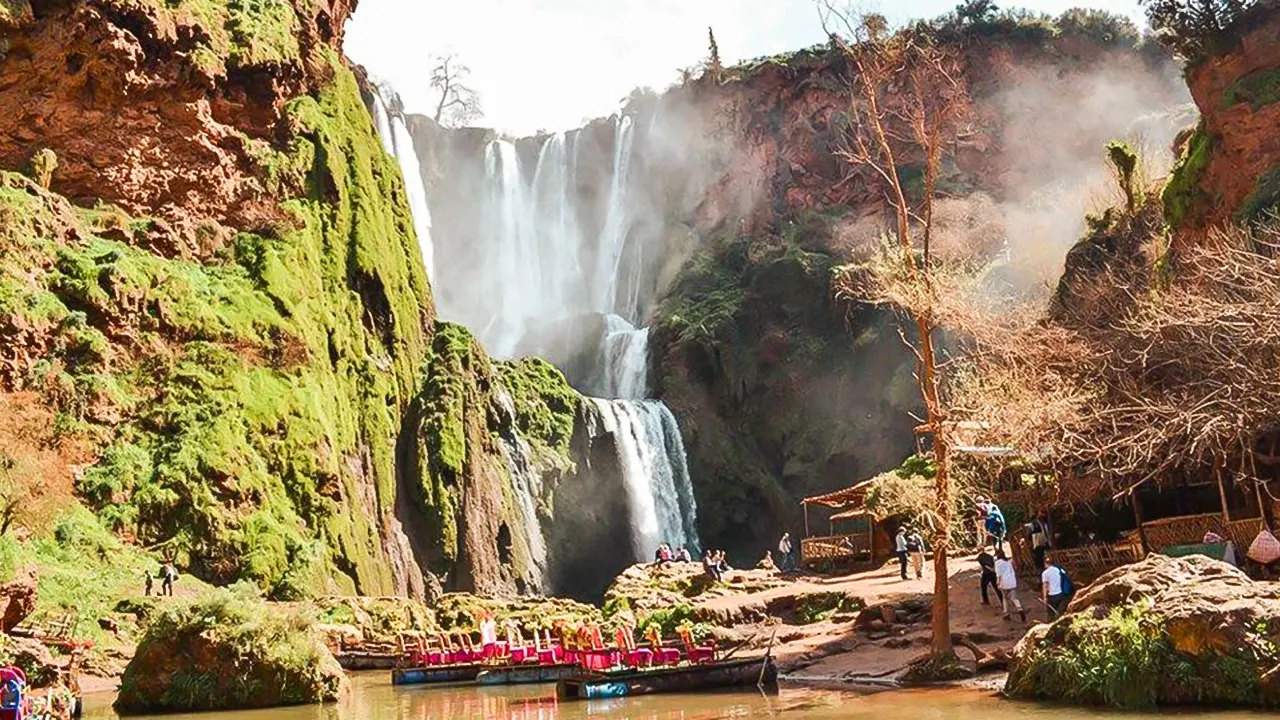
{"points": [[1137, 515], [1222, 491]]}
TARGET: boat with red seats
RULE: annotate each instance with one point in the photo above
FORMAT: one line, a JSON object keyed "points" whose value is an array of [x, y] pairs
{"points": [[455, 658]]}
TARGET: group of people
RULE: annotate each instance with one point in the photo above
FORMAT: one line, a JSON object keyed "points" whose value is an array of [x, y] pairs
{"points": [[909, 545], [168, 575], [713, 561], [998, 572], [665, 555]]}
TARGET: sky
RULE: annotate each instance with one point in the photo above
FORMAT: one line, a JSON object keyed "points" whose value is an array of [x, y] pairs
{"points": [[553, 64]]}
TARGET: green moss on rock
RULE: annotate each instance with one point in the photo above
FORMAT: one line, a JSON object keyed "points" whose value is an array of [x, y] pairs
{"points": [[1259, 89], [1184, 197], [1264, 202]]}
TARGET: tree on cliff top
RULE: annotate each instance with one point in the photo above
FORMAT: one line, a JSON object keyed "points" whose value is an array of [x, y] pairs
{"points": [[459, 104], [1196, 29], [907, 101]]}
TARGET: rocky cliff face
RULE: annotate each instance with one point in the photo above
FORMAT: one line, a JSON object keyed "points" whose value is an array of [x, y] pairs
{"points": [[1230, 166], [213, 279]]}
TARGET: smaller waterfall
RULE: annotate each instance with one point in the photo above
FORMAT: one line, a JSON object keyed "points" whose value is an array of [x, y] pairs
{"points": [[655, 474], [626, 358], [398, 143], [527, 485]]}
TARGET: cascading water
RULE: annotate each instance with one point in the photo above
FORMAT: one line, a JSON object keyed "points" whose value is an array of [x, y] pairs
{"points": [[654, 473], [399, 144], [541, 265]]}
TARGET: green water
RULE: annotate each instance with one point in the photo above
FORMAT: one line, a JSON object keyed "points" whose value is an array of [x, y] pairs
{"points": [[375, 699]]}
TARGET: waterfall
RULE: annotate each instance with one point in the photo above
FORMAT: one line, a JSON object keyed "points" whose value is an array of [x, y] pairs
{"points": [[527, 484], [399, 144], [626, 358], [613, 238], [655, 475], [539, 264]]}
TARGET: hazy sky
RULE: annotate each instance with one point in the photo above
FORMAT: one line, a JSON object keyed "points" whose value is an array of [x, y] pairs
{"points": [[551, 64]]}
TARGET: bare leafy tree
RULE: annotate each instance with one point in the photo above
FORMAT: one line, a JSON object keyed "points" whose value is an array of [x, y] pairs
{"points": [[459, 104], [714, 65], [907, 99]]}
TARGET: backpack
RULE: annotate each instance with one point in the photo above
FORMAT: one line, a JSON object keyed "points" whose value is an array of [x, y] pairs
{"points": [[1068, 587]]}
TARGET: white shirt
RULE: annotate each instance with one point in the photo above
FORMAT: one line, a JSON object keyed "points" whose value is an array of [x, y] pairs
{"points": [[1052, 579], [900, 543], [784, 546], [1006, 578]]}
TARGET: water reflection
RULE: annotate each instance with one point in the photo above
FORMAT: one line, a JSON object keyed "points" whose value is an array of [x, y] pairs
{"points": [[375, 699]]}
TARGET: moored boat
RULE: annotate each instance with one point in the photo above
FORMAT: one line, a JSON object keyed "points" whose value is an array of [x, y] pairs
{"points": [[753, 672], [530, 674], [437, 675]]}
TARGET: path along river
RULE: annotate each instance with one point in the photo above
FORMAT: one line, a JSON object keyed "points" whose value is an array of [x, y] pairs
{"points": [[373, 698]]}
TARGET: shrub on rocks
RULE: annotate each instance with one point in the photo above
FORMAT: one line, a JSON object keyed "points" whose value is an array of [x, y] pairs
{"points": [[229, 650], [1165, 631]]}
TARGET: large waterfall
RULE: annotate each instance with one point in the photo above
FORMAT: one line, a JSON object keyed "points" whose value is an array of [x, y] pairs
{"points": [[541, 266]]}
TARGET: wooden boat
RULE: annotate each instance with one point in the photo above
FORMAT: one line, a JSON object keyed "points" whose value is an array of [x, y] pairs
{"points": [[530, 674], [437, 674], [689, 678]]}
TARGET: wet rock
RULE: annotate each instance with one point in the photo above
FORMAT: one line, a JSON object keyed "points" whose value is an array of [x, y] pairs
{"points": [[1165, 631]]}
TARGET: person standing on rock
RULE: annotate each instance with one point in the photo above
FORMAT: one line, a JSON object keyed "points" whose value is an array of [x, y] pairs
{"points": [[784, 553], [988, 565], [915, 546], [1007, 582], [900, 548], [1052, 591]]}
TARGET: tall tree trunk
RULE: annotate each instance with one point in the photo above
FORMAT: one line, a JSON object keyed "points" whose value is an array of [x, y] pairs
{"points": [[941, 620]]}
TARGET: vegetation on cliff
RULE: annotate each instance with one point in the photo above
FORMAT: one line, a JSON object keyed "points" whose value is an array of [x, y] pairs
{"points": [[226, 651], [758, 364]]}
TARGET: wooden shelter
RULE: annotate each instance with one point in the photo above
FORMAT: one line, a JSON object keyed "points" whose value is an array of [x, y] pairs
{"points": [[863, 537]]}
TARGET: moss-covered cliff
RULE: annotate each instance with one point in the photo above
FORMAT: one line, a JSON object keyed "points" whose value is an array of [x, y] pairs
{"points": [[222, 295]]}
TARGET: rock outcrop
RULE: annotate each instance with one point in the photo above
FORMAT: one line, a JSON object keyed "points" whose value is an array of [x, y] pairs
{"points": [[1165, 631], [1230, 166], [228, 651], [214, 281]]}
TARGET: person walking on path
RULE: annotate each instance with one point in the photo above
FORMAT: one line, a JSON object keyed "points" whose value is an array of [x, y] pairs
{"points": [[149, 580], [168, 574], [784, 553], [1007, 582], [1038, 529], [915, 546], [988, 565], [900, 548], [993, 522], [1053, 590]]}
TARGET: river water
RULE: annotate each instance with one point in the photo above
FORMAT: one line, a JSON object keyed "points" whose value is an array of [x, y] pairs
{"points": [[375, 699]]}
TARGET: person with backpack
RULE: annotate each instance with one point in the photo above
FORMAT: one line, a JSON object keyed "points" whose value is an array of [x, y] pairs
{"points": [[1055, 589], [915, 547]]}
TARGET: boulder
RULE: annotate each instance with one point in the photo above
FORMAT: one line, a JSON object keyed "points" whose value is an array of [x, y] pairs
{"points": [[19, 595], [1165, 631], [33, 657], [225, 651]]}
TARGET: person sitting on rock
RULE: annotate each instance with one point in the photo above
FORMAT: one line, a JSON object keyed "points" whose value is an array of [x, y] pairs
{"points": [[709, 565], [663, 556], [682, 555]]}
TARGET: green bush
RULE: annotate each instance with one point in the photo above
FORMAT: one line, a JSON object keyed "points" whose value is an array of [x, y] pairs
{"points": [[1259, 89], [228, 650]]}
